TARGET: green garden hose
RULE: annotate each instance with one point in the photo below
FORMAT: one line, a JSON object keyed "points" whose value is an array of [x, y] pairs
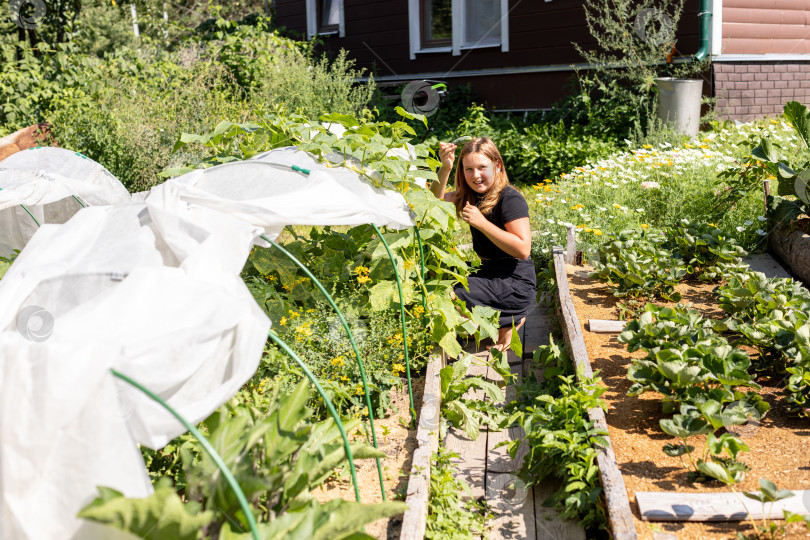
{"points": [[351, 340], [226, 473], [402, 317], [328, 403]]}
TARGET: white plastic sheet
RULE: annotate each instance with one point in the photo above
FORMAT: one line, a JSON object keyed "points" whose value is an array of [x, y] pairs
{"points": [[62, 433], [49, 185], [265, 191], [153, 294]]}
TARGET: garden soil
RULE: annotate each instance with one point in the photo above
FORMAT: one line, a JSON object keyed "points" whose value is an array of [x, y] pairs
{"points": [[780, 445], [399, 445]]}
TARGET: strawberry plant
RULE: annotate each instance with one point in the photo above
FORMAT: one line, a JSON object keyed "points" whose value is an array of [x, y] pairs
{"points": [[635, 264], [706, 251]]}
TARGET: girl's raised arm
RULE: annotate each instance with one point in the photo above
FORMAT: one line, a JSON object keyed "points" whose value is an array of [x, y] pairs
{"points": [[447, 155]]}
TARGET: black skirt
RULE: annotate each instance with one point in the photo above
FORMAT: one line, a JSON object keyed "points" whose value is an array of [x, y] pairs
{"points": [[508, 285]]}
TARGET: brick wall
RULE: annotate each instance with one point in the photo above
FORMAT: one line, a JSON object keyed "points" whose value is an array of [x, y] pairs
{"points": [[746, 91]]}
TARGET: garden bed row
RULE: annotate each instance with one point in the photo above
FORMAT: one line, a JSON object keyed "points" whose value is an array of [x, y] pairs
{"points": [[779, 443]]}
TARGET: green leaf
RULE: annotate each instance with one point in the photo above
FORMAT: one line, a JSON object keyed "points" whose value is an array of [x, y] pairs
{"points": [[384, 295], [719, 472], [161, 516], [337, 519], [675, 450], [515, 343]]}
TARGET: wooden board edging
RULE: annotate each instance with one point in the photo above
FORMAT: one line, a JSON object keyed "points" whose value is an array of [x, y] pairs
{"points": [[427, 439], [619, 514], [724, 506]]}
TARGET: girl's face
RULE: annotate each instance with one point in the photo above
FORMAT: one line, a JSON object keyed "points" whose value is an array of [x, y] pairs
{"points": [[479, 172]]}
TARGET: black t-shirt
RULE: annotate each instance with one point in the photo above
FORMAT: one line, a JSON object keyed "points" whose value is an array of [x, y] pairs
{"points": [[510, 206]]}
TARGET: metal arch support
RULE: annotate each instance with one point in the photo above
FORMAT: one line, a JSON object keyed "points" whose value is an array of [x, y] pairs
{"points": [[402, 318], [422, 260], [351, 340], [220, 463], [328, 403], [29, 213]]}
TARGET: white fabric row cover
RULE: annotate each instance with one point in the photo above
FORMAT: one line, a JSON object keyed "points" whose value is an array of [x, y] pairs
{"points": [[151, 289], [52, 184], [265, 191], [152, 293]]}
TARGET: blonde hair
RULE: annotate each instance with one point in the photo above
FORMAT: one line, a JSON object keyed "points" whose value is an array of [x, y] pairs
{"points": [[484, 146]]}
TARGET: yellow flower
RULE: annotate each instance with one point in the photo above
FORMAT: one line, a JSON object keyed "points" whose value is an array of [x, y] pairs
{"points": [[283, 321], [577, 206], [408, 264], [647, 146], [418, 311], [644, 225], [359, 390], [616, 205], [361, 270], [344, 378], [363, 279], [597, 232], [303, 332], [337, 361], [294, 314], [398, 368]]}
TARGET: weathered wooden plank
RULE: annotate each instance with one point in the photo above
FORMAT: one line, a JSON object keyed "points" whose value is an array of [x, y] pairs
{"points": [[513, 506], [600, 326], [498, 459], [472, 461], [427, 440], [549, 525], [620, 516], [725, 506]]}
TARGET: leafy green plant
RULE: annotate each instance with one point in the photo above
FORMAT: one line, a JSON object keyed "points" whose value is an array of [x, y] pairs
{"points": [[561, 438], [635, 263], [467, 414], [453, 512], [769, 493], [277, 454], [707, 252], [792, 181], [5, 262]]}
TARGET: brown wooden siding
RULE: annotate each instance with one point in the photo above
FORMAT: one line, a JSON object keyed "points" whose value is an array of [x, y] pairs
{"points": [[540, 34], [773, 27]]}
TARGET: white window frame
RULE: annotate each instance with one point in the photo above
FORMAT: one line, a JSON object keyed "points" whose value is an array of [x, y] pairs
{"points": [[415, 29], [312, 19]]}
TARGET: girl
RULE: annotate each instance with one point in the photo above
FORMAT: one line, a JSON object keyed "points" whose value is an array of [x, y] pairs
{"points": [[499, 222]]}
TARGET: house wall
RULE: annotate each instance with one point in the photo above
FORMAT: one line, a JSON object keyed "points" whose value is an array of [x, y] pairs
{"points": [[766, 27], [749, 90], [764, 59], [534, 73]]}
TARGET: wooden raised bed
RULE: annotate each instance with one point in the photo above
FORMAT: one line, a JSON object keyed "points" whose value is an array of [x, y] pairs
{"points": [[793, 249], [620, 517], [779, 443]]}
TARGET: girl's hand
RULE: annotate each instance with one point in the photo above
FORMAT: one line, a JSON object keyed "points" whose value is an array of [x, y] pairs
{"points": [[473, 216], [447, 154]]}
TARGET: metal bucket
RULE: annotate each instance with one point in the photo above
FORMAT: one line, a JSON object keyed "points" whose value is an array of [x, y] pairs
{"points": [[679, 103]]}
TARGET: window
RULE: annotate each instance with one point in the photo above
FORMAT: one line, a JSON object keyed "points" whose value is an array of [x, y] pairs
{"points": [[436, 23], [453, 25], [481, 23], [325, 17], [328, 16]]}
